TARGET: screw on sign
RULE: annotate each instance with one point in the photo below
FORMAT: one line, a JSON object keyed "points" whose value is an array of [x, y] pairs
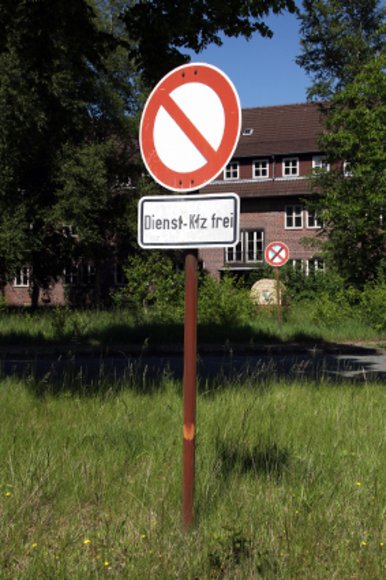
{"points": [[190, 127]]}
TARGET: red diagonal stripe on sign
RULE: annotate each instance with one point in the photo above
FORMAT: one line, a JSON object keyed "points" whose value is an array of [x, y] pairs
{"points": [[276, 254], [190, 130]]}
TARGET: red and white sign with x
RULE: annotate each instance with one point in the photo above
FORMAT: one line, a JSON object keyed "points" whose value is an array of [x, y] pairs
{"points": [[276, 254], [190, 127]]}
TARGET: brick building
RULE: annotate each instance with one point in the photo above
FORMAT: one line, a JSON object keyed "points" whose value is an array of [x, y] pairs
{"points": [[277, 152]]}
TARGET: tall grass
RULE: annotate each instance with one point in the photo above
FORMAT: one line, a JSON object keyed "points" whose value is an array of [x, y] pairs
{"points": [[290, 481], [105, 328]]}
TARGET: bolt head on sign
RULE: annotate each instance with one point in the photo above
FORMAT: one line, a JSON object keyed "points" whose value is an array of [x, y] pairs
{"points": [[190, 127], [276, 254]]}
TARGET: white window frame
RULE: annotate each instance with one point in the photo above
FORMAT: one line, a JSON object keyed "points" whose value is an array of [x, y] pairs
{"points": [[318, 265], [257, 167], [296, 211], [254, 234], [231, 253], [319, 162], [232, 171], [290, 164], [71, 275], [69, 231], [311, 218], [257, 237], [86, 274], [21, 279], [347, 171]]}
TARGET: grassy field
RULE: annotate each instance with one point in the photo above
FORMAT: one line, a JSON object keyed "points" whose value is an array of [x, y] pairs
{"points": [[290, 483], [101, 328]]}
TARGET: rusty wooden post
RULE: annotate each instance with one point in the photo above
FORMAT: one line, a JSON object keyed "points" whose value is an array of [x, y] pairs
{"points": [[190, 372]]}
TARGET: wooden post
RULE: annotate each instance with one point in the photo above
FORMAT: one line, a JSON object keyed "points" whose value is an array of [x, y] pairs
{"points": [[278, 297]]}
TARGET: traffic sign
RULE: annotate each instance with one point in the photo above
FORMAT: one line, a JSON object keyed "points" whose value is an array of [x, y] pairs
{"points": [[190, 127], [276, 254], [193, 221]]}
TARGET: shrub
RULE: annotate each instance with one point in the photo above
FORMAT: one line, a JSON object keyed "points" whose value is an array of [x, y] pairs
{"points": [[373, 305], [224, 302], [154, 287]]}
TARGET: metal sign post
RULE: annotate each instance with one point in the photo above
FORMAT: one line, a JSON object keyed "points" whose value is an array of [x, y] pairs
{"points": [[190, 370], [189, 130]]}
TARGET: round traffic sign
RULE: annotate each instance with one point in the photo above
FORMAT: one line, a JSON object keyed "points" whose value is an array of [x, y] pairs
{"points": [[190, 127], [276, 254]]}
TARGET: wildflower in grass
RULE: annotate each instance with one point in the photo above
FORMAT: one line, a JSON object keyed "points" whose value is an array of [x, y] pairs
{"points": [[86, 541], [381, 544], [8, 494], [106, 563], [34, 545], [358, 483], [363, 544], [143, 536]]}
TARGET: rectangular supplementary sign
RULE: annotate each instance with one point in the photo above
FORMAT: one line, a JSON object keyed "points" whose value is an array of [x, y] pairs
{"points": [[191, 221]]}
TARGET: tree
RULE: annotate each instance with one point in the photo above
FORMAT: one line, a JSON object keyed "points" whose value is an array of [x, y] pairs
{"points": [[337, 38], [60, 94], [160, 30], [353, 205]]}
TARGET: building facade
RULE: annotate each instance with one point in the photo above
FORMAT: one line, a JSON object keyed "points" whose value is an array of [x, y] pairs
{"points": [[277, 152]]}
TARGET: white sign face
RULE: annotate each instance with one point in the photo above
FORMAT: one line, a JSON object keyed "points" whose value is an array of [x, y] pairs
{"points": [[194, 221], [190, 127]]}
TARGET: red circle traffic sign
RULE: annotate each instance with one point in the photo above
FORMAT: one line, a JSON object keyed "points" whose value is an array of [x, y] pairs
{"points": [[276, 254], [190, 127]]}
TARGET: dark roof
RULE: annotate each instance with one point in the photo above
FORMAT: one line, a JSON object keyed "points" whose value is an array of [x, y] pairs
{"points": [[255, 188], [281, 130]]}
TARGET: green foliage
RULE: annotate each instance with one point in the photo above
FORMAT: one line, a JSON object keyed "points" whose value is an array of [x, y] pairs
{"points": [[227, 550], [224, 303], [373, 305], [300, 287], [62, 94], [154, 287], [352, 207], [90, 480], [337, 39]]}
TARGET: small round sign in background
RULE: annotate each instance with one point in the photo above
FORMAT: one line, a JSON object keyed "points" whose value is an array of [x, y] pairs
{"points": [[190, 127], [276, 254]]}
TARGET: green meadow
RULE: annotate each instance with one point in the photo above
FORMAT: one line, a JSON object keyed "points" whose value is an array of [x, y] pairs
{"points": [[290, 480]]}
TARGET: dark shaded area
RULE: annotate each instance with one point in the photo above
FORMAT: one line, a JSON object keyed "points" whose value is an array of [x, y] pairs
{"points": [[218, 367], [269, 460]]}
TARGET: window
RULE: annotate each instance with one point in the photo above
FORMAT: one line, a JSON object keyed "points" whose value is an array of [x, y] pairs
{"points": [[319, 162], [347, 171], [21, 279], [291, 167], [248, 131], [71, 275], [249, 250], [79, 274], [261, 169], [293, 217], [314, 265], [232, 170], [312, 221], [87, 274], [69, 231]]}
